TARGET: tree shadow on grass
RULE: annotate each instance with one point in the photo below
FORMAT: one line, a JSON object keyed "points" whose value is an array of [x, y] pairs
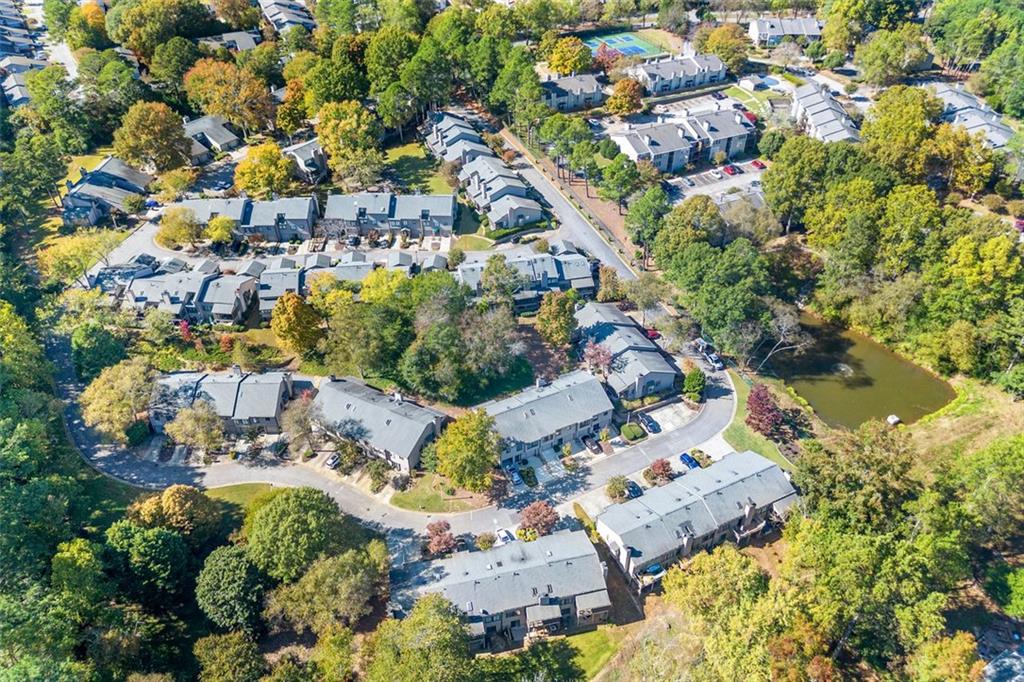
{"points": [[553, 660]]}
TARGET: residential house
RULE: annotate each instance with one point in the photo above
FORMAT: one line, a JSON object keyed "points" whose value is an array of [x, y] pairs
{"points": [[433, 261], [399, 260], [414, 215], [965, 109], [385, 426], [175, 293], [735, 499], [18, 64], [281, 275], [541, 273], [673, 144], [100, 192], [281, 220], [488, 179], [226, 299], [666, 75], [310, 162], [572, 92], [235, 41], [464, 151], [666, 145], [514, 211], [769, 31], [821, 116], [352, 266], [1008, 666], [553, 585], [206, 210], [725, 131], [243, 400], [445, 129], [638, 368], [546, 416], [15, 89], [210, 135], [285, 15]]}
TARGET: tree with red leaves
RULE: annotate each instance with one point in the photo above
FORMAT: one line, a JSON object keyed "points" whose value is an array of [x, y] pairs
{"points": [[439, 537], [605, 57], [763, 413], [597, 357], [539, 517], [661, 471], [186, 331]]}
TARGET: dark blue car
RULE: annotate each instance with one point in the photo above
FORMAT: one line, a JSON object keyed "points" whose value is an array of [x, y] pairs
{"points": [[689, 461], [647, 421]]}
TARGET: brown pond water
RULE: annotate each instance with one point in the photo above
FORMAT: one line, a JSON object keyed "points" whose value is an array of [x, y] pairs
{"points": [[848, 378]]}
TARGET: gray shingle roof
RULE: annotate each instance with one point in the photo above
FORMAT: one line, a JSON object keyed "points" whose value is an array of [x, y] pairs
{"points": [[697, 503], [675, 67], [215, 128], [536, 412], [233, 395], [512, 576], [385, 424], [413, 206], [206, 209], [577, 85], [265, 213]]}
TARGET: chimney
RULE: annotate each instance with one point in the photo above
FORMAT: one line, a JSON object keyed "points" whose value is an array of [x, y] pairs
{"points": [[706, 124], [184, 120], [647, 139], [739, 119]]}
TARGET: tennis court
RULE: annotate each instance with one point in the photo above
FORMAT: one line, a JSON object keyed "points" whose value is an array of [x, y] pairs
{"points": [[629, 44]]}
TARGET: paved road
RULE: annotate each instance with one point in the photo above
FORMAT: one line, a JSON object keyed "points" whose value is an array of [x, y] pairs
{"points": [[399, 524]]}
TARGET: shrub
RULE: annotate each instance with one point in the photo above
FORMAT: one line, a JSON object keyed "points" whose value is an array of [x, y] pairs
{"points": [[616, 488], [954, 198], [1015, 208], [377, 470], [137, 433], [608, 148], [485, 540], [585, 521], [632, 432], [660, 471], [1006, 587], [695, 383], [993, 202], [833, 60], [529, 476]]}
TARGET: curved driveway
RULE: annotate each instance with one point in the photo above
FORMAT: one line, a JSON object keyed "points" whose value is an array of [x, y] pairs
{"points": [[118, 462]]}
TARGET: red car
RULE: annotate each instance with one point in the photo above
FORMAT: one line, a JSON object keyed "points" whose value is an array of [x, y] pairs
{"points": [[758, 164], [652, 334], [730, 170], [750, 116]]}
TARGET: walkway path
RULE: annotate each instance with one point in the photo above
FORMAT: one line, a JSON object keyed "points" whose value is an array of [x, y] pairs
{"points": [[118, 462]]}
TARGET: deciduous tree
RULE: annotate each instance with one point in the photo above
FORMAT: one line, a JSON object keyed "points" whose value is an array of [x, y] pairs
{"points": [[178, 226], [556, 319], [569, 55], [151, 136], [116, 398], [468, 451], [229, 589], [730, 44], [295, 323], [539, 518], [198, 426], [222, 89], [439, 537], [626, 97], [233, 657], [763, 412]]}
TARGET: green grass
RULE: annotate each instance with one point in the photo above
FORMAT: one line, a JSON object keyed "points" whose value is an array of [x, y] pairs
{"points": [[759, 102], [240, 495], [793, 79], [632, 432], [427, 495], [742, 437], [416, 170], [595, 648], [472, 242], [103, 500]]}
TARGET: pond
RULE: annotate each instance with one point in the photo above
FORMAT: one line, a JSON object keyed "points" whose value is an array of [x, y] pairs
{"points": [[848, 378]]}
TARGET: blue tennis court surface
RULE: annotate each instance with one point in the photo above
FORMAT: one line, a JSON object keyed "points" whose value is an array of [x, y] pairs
{"points": [[629, 44]]}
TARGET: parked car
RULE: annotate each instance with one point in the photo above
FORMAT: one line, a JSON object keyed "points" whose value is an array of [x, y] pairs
{"points": [[758, 164], [352, 240], [716, 174], [750, 116], [647, 421], [592, 445], [717, 95], [515, 477], [689, 182], [689, 461], [652, 334], [503, 536], [633, 490], [715, 361], [332, 461], [700, 344], [738, 106], [729, 170]]}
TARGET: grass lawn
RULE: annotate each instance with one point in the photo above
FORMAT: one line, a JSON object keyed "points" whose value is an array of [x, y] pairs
{"points": [[103, 499], [595, 648], [416, 169], [240, 495], [758, 102], [794, 79], [472, 242], [427, 495], [742, 437]]}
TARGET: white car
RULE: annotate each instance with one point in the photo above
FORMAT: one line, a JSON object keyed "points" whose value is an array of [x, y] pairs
{"points": [[503, 536], [716, 174]]}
